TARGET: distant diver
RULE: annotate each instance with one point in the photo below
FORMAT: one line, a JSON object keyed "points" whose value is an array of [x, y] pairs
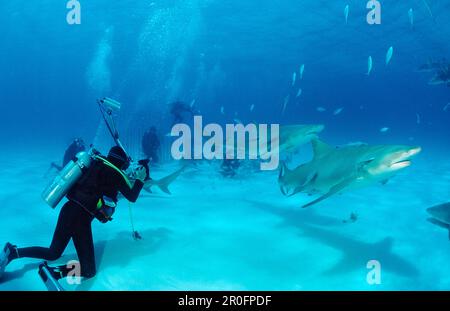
{"points": [[151, 144], [76, 146], [178, 109], [94, 195], [229, 167]]}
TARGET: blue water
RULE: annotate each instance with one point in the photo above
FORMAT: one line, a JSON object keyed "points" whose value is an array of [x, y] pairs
{"points": [[233, 54]]}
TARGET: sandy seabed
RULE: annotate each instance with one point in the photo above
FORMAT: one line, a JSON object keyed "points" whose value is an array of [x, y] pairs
{"points": [[216, 233]]}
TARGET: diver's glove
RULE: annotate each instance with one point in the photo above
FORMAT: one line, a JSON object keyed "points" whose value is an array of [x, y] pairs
{"points": [[141, 174]]}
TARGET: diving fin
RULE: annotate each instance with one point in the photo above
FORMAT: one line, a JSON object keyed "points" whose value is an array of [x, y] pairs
{"points": [[335, 189], [49, 279]]}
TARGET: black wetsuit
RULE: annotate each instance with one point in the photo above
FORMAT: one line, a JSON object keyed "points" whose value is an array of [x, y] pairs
{"points": [[76, 216]]}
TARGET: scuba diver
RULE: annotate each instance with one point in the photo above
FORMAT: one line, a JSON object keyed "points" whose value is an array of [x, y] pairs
{"points": [[71, 151], [229, 167], [151, 144], [94, 195], [178, 108]]}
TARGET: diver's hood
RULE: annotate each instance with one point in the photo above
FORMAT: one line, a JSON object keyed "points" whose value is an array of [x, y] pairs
{"points": [[118, 157]]}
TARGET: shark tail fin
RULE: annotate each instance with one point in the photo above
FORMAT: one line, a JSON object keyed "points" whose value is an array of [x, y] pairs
{"points": [[164, 188], [164, 183]]}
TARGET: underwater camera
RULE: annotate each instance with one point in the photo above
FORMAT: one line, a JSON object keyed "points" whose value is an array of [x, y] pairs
{"points": [[134, 166]]}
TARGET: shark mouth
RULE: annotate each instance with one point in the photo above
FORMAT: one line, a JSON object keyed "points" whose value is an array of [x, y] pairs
{"points": [[400, 164], [405, 160], [316, 132]]}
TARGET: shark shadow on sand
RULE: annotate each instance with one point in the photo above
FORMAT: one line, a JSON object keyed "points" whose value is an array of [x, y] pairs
{"points": [[355, 253]]}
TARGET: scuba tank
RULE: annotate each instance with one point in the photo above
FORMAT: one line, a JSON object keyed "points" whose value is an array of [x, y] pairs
{"points": [[70, 174]]}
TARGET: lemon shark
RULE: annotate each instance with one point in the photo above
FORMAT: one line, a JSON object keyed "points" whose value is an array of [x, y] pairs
{"points": [[440, 216], [290, 137], [164, 182], [333, 170], [294, 136]]}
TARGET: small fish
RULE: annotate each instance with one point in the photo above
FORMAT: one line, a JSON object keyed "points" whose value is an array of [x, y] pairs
{"points": [[338, 111], [252, 107], [369, 65], [418, 118], [446, 107], [346, 10], [286, 101], [302, 70], [321, 109], [300, 91], [411, 17], [389, 55], [294, 78], [352, 219], [222, 110], [192, 103], [384, 129]]}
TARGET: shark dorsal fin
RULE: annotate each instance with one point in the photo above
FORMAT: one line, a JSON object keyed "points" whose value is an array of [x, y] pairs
{"points": [[319, 147]]}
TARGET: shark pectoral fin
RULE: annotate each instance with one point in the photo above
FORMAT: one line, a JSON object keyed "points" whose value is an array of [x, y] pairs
{"points": [[335, 189], [439, 223]]}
